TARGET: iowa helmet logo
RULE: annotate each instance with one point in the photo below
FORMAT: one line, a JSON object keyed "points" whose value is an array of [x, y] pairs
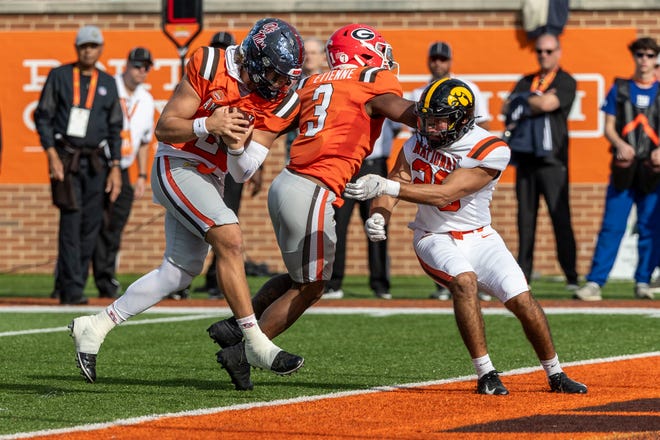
{"points": [[460, 96]]}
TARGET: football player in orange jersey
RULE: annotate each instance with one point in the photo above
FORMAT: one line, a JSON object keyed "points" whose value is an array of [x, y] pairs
{"points": [[450, 169], [222, 118], [341, 115]]}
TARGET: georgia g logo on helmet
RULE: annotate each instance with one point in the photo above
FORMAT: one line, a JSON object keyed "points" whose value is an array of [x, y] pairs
{"points": [[460, 96], [363, 34]]}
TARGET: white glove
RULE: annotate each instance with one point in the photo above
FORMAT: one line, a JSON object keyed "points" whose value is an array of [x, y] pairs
{"points": [[371, 186], [375, 227]]}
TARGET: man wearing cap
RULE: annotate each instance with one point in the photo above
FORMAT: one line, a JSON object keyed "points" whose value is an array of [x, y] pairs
{"points": [[439, 64], [79, 120], [137, 106]]}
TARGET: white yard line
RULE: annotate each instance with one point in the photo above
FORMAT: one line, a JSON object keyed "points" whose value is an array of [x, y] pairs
{"points": [[206, 312], [303, 399]]}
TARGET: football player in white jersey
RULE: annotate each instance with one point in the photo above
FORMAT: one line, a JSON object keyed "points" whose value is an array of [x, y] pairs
{"points": [[450, 169]]}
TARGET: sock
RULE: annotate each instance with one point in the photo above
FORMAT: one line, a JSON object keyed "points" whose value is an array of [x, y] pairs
{"points": [[483, 365], [114, 315], [552, 366], [246, 323]]}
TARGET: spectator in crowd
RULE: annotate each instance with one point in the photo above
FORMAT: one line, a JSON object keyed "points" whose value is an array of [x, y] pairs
{"points": [[341, 116], [457, 165], [439, 63], [545, 99], [138, 109], [79, 120], [223, 117], [631, 126], [379, 276]]}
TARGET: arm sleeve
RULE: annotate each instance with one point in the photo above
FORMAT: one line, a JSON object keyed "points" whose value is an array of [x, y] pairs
{"points": [[244, 166]]}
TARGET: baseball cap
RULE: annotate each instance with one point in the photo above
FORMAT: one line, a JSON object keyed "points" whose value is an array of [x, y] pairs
{"points": [[440, 49], [89, 34], [140, 55], [222, 40]]}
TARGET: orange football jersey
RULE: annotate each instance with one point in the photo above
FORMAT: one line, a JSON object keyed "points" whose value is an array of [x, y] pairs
{"points": [[336, 133], [214, 77]]}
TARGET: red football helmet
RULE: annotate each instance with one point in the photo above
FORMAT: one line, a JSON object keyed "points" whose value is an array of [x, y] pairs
{"points": [[358, 45]]}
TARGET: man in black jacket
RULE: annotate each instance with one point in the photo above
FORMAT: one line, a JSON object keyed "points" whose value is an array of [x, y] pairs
{"points": [[544, 170], [79, 120]]}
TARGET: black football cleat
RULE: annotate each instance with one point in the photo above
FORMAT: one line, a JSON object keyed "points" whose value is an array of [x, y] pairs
{"points": [[225, 333], [286, 363], [560, 383], [491, 384], [233, 360], [87, 365]]}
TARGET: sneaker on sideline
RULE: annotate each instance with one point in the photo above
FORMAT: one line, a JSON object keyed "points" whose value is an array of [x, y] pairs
{"points": [[588, 292], [643, 291], [572, 287], [383, 295], [444, 295], [441, 294], [333, 294], [491, 384], [484, 296], [560, 383]]}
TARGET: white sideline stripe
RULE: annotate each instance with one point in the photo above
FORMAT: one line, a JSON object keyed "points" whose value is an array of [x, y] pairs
{"points": [[137, 322], [373, 311], [304, 399], [205, 313]]}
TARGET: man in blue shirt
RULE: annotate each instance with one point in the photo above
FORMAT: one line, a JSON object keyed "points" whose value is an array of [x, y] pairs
{"points": [[632, 120]]}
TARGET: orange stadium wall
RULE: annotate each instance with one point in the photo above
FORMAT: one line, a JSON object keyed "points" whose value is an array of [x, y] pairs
{"points": [[489, 48]]}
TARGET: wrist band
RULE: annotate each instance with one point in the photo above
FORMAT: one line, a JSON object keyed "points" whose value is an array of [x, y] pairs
{"points": [[392, 188], [144, 176], [236, 152], [199, 127], [115, 165]]}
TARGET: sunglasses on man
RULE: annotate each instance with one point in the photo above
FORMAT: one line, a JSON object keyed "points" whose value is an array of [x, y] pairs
{"points": [[648, 55]]}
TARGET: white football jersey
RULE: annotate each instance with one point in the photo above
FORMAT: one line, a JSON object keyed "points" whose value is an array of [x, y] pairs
{"points": [[477, 148]]}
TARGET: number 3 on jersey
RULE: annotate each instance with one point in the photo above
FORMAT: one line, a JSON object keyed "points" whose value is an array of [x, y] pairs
{"points": [[322, 95], [424, 168]]}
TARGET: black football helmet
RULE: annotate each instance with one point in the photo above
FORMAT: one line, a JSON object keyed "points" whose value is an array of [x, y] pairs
{"points": [[273, 54], [445, 112]]}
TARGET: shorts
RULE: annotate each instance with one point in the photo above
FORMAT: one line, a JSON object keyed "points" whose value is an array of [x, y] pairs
{"points": [[483, 252], [194, 204]]}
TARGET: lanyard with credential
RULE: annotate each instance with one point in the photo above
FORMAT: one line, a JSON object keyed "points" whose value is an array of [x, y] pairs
{"points": [[541, 84], [126, 135], [76, 88]]}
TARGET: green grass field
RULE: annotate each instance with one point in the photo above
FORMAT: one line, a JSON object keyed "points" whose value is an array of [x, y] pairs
{"points": [[355, 287], [152, 367]]}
